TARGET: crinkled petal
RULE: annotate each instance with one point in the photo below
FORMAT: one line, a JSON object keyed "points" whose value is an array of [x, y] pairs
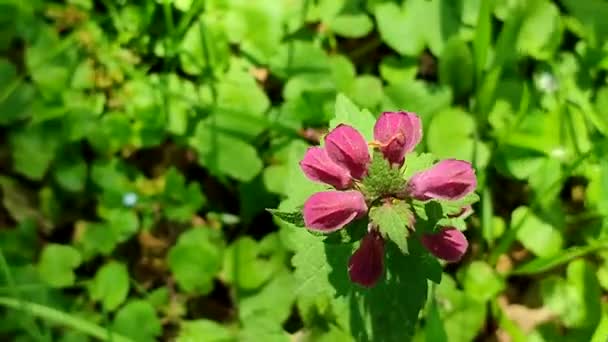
{"points": [[450, 244], [366, 265], [329, 211], [449, 179], [317, 166], [347, 147], [397, 133]]}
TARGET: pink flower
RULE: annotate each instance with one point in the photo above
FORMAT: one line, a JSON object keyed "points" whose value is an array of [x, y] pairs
{"points": [[449, 179], [329, 211], [366, 265], [344, 157], [397, 133], [317, 166], [449, 244], [347, 147]]}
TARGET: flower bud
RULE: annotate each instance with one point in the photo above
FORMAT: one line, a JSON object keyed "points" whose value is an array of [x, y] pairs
{"points": [[397, 133], [366, 265], [329, 211], [449, 244], [347, 147], [449, 179], [317, 166]]}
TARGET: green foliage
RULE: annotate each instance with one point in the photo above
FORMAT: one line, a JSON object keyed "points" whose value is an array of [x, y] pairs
{"points": [[195, 259], [141, 141], [57, 263], [110, 285], [138, 321], [394, 221]]}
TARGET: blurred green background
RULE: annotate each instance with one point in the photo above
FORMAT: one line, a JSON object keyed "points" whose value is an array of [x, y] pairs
{"points": [[141, 141]]}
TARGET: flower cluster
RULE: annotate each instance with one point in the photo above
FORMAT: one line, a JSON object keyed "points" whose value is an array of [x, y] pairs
{"points": [[343, 163]]}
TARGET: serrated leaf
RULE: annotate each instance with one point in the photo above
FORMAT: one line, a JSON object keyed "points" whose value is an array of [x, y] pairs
{"points": [[393, 220], [416, 162], [293, 217], [348, 113], [325, 292]]}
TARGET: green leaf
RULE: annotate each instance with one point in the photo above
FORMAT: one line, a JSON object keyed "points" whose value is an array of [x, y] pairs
{"points": [[57, 263], [366, 90], [544, 264], [463, 316], [574, 299], [16, 97], [538, 236], [348, 113], [204, 47], [121, 223], [323, 287], [204, 330], [416, 162], [274, 300], [33, 149], [393, 220], [451, 135], [249, 264], [480, 279], [71, 172], [294, 217], [196, 259], [398, 30], [434, 330], [110, 285], [351, 25], [262, 328], [456, 67], [541, 31], [225, 154], [417, 96], [418, 24], [482, 40], [395, 70], [181, 201], [138, 320]]}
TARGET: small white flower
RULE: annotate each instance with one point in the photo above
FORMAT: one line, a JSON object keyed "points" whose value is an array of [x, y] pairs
{"points": [[558, 152], [129, 199], [546, 82]]}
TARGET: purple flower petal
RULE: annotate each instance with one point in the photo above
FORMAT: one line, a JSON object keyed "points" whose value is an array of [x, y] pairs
{"points": [[329, 211], [398, 133], [366, 265], [449, 244], [317, 166], [449, 179], [347, 147]]}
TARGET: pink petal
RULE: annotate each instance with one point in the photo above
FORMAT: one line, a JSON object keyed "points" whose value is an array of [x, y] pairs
{"points": [[449, 179], [449, 244], [347, 147], [366, 265], [317, 166], [329, 211], [398, 133]]}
